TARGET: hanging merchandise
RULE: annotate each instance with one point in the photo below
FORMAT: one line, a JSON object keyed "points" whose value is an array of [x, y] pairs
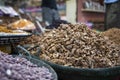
{"points": [[7, 10]]}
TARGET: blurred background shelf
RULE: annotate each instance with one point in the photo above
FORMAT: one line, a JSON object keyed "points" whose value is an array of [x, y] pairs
{"points": [[90, 10]]}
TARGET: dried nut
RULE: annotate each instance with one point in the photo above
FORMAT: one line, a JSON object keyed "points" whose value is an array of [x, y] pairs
{"points": [[77, 46]]}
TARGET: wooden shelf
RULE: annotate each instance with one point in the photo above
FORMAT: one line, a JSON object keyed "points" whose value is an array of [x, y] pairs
{"points": [[90, 10]]}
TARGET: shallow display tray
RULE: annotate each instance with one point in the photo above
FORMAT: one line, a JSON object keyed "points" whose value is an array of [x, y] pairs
{"points": [[12, 38]]}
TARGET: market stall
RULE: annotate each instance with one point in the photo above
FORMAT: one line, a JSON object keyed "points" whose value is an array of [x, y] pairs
{"points": [[13, 30], [61, 51], [77, 53], [87, 53]]}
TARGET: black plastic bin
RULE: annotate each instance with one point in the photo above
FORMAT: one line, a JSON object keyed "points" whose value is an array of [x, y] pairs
{"points": [[69, 73]]}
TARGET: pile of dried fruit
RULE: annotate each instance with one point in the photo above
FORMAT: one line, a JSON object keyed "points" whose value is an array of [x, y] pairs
{"points": [[21, 69], [22, 24], [78, 46], [4, 29], [113, 34]]}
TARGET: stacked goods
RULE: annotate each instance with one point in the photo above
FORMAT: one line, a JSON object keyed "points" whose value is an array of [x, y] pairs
{"points": [[20, 69], [113, 34], [77, 46]]}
